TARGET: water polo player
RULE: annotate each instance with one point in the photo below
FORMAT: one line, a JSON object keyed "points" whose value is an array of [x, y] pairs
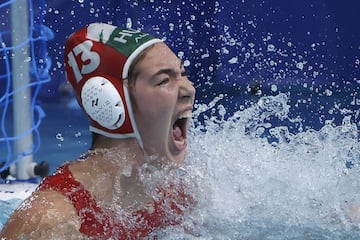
{"points": [[138, 100]]}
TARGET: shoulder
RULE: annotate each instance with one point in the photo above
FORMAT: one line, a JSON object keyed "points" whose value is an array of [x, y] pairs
{"points": [[44, 214]]}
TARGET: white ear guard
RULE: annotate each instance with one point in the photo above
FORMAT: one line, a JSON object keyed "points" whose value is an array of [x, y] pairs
{"points": [[106, 101], [103, 103]]}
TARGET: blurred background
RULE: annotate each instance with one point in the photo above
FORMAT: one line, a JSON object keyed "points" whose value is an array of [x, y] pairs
{"points": [[240, 49], [231, 45]]}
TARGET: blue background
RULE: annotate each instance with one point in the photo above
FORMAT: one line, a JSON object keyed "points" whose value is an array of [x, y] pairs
{"points": [[322, 33], [308, 49], [245, 49]]}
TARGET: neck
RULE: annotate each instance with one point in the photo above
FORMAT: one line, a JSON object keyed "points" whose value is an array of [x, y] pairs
{"points": [[102, 142], [128, 147]]}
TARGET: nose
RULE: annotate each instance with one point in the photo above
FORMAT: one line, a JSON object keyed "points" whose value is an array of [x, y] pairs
{"points": [[186, 91]]}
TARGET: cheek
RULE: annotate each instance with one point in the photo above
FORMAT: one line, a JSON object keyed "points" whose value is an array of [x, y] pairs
{"points": [[153, 118], [154, 105]]}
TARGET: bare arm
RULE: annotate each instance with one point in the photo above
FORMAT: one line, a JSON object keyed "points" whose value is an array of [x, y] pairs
{"points": [[44, 215]]}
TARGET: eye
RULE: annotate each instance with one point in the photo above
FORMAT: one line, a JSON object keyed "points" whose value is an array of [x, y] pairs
{"points": [[163, 81]]}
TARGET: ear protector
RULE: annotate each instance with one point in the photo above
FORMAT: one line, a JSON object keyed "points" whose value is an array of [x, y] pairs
{"points": [[97, 59], [102, 102]]}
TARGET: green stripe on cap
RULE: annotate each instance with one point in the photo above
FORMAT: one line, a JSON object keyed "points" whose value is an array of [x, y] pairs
{"points": [[127, 41]]}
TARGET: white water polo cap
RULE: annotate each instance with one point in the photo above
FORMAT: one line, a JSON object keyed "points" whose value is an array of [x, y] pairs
{"points": [[97, 60]]}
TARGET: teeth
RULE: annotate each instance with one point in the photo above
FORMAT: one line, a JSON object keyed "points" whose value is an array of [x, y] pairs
{"points": [[180, 142], [187, 114]]}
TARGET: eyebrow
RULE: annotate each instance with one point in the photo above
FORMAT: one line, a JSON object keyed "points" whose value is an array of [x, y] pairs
{"points": [[167, 71], [164, 71]]}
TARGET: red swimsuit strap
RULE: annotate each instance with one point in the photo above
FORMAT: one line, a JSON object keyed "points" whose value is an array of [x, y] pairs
{"points": [[93, 220], [103, 225]]}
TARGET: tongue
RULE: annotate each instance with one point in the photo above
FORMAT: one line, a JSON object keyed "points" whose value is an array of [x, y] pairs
{"points": [[177, 133]]}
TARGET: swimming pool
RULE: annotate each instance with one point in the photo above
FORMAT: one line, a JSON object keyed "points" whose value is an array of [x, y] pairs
{"points": [[274, 143], [263, 172]]}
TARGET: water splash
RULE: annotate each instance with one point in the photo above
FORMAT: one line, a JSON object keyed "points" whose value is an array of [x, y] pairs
{"points": [[288, 184]]}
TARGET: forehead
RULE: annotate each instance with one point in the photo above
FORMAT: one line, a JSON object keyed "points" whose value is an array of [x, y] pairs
{"points": [[159, 56]]}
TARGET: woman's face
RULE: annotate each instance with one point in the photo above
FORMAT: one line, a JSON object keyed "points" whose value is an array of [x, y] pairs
{"points": [[164, 99]]}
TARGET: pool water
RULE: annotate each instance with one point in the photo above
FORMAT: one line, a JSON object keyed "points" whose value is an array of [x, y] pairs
{"points": [[267, 181], [263, 171]]}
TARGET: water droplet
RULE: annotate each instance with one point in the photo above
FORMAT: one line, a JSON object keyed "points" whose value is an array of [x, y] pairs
{"points": [[59, 137], [186, 63]]}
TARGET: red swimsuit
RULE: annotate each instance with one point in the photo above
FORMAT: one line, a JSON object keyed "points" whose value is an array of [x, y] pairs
{"points": [[100, 224]]}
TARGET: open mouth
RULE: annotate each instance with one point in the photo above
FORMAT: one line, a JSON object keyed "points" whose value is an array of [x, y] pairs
{"points": [[180, 130]]}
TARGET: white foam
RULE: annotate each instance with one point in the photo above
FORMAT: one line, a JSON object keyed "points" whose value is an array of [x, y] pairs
{"points": [[294, 182]]}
